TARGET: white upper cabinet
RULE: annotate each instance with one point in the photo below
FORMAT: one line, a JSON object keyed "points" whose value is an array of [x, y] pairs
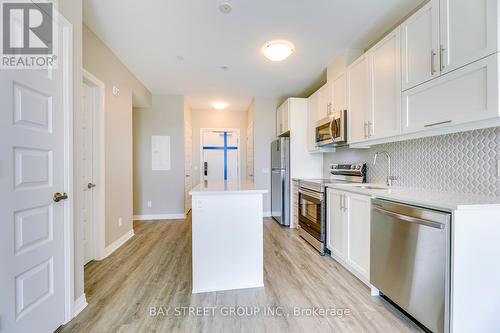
{"points": [[358, 99], [339, 92], [467, 94], [312, 115], [469, 31], [420, 45], [385, 73], [325, 102], [283, 118], [279, 121]]}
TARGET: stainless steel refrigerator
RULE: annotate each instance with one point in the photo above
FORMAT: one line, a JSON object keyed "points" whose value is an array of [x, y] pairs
{"points": [[280, 181]]}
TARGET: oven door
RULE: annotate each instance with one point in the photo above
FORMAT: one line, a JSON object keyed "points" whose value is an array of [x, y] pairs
{"points": [[311, 206]]}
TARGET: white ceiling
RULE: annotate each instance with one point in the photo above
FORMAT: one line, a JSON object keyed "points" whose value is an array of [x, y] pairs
{"points": [[149, 36]]}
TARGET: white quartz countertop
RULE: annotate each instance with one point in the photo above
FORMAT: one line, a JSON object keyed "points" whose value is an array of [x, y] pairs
{"points": [[226, 187], [427, 198]]}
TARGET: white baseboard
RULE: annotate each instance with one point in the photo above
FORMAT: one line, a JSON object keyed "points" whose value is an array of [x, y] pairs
{"points": [[267, 214], [154, 217], [117, 243], [79, 305]]}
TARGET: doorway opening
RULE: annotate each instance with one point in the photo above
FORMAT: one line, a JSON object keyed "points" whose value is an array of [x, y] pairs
{"points": [[89, 171], [220, 154]]}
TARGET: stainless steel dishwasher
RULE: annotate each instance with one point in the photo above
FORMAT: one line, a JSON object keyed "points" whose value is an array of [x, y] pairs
{"points": [[409, 260]]}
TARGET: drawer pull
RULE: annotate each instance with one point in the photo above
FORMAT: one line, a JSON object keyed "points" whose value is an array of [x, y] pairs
{"points": [[438, 123]]}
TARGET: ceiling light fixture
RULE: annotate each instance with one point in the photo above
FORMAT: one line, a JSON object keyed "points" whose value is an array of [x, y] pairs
{"points": [[225, 8], [278, 50], [219, 105]]}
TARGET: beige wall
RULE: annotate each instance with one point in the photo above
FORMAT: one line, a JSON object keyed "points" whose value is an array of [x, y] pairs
{"points": [[100, 61], [165, 189], [218, 119]]}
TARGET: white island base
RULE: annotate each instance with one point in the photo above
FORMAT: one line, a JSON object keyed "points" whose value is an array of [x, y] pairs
{"points": [[227, 236]]}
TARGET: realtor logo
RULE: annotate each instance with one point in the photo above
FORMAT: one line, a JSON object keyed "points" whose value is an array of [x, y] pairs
{"points": [[27, 35]]}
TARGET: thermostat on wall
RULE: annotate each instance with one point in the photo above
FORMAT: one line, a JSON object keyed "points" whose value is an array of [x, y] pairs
{"points": [[116, 91]]}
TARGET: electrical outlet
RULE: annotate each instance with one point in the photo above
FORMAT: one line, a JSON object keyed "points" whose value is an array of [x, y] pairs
{"points": [[120, 221], [150, 204], [498, 168]]}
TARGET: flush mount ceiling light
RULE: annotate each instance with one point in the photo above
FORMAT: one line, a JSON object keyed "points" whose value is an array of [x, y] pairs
{"points": [[225, 8], [278, 50], [219, 105]]}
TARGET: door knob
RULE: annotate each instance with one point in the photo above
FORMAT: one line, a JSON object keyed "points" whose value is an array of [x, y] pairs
{"points": [[58, 196], [90, 185]]}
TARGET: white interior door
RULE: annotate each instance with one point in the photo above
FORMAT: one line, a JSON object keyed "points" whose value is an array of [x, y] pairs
{"points": [[86, 183], [220, 155], [33, 167]]}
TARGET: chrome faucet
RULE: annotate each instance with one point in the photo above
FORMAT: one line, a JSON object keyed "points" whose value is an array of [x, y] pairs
{"points": [[390, 177]]}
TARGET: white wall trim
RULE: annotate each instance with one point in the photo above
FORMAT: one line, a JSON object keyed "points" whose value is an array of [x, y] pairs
{"points": [[154, 217], [79, 305], [108, 250], [68, 102]]}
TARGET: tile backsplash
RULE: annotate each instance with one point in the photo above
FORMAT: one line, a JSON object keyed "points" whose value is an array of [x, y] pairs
{"points": [[461, 162]]}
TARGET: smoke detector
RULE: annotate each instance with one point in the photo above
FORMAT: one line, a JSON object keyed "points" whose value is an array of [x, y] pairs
{"points": [[225, 8]]}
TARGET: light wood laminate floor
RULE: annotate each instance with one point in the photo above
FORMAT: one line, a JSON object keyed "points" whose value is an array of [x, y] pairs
{"points": [[153, 269]]}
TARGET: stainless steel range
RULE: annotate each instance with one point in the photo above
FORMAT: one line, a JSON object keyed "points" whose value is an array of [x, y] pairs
{"points": [[312, 203]]}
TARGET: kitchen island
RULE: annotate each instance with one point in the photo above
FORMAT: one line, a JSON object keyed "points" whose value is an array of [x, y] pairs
{"points": [[227, 236]]}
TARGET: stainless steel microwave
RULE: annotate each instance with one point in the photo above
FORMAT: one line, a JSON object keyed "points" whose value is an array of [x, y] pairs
{"points": [[332, 131]]}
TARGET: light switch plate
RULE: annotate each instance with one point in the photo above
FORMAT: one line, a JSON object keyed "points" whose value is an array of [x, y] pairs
{"points": [[498, 168]]}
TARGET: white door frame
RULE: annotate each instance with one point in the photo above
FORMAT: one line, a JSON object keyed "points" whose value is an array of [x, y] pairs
{"points": [[99, 158], [68, 102], [237, 130]]}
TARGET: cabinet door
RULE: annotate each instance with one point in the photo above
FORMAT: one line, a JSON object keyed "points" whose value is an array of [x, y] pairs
{"points": [[469, 31], [285, 116], [358, 96], [312, 112], [420, 45], [467, 94], [324, 102], [279, 121], [385, 65], [336, 235], [339, 93], [358, 223]]}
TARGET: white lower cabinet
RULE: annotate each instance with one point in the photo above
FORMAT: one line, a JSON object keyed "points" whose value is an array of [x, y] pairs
{"points": [[348, 231]]}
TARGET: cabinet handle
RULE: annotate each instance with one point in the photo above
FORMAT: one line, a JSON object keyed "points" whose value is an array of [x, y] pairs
{"points": [[369, 123], [433, 70], [441, 57], [366, 125], [438, 123]]}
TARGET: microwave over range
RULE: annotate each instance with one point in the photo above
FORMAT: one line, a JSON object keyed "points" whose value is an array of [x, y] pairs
{"points": [[332, 130]]}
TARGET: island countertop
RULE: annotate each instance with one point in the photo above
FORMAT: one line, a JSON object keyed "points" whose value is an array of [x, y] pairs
{"points": [[226, 187]]}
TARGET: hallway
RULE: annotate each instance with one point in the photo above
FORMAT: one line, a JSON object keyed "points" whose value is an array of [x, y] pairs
{"points": [[153, 269]]}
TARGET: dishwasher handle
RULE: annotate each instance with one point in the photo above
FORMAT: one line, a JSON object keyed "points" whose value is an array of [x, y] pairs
{"points": [[411, 219]]}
